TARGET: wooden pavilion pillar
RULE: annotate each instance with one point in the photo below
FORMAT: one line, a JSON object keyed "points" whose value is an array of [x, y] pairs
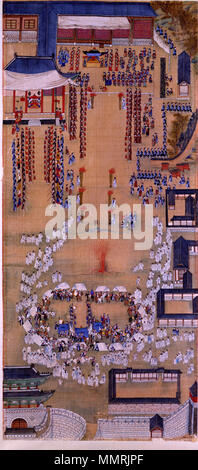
{"points": [[14, 100], [63, 100], [26, 110], [53, 95], [41, 101], [131, 21]]}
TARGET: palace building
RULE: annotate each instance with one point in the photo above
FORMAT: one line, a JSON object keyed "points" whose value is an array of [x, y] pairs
{"points": [[46, 23], [21, 387]]}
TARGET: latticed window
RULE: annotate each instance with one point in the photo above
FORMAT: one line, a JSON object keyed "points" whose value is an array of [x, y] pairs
{"points": [[22, 23], [121, 377], [20, 28], [29, 24], [11, 24]]}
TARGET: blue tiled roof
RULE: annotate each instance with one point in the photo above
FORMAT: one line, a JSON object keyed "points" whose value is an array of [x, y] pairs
{"points": [[88, 8], [27, 393], [183, 68], [31, 65], [156, 422], [180, 253], [193, 389], [34, 64], [21, 373]]}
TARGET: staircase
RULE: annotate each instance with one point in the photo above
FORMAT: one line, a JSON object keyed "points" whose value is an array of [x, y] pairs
{"points": [[161, 43]]}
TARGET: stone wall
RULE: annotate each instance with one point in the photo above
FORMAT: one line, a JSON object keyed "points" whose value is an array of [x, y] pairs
{"points": [[123, 428], [142, 409], [65, 424], [33, 416], [177, 425]]}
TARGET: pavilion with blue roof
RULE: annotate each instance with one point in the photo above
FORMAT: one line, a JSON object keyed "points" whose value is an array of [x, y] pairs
{"points": [[183, 73]]}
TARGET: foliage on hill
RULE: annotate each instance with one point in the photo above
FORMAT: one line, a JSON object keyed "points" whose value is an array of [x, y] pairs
{"points": [[179, 125], [181, 18]]}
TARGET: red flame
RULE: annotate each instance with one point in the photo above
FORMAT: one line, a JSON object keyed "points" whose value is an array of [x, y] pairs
{"points": [[102, 252]]}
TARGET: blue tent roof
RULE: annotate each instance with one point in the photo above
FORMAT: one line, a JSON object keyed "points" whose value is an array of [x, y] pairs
{"points": [[82, 332], [97, 326], [183, 68], [33, 65], [63, 327]]}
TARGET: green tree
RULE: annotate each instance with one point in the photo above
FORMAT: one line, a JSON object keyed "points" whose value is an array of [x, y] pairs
{"points": [[178, 126]]}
